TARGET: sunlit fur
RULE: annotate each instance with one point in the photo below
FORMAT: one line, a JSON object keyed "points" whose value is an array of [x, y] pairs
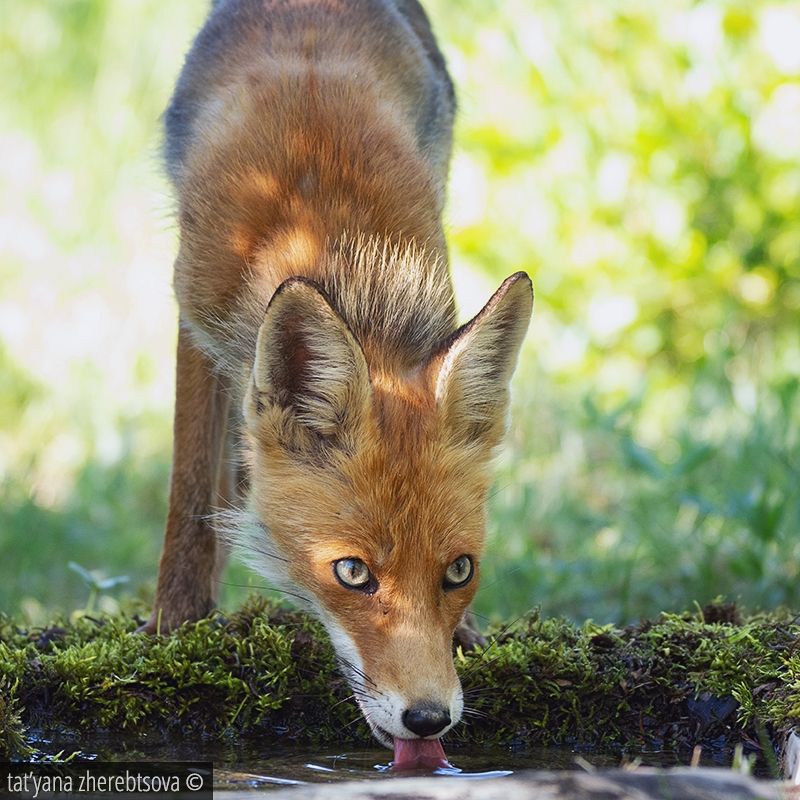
{"points": [[308, 143]]}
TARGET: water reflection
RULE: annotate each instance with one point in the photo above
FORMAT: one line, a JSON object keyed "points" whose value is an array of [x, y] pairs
{"points": [[247, 764]]}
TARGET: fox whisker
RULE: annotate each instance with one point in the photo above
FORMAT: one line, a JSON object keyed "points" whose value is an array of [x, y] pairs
{"points": [[265, 589]]}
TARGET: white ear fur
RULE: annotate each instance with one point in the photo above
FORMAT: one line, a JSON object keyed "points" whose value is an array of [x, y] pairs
{"points": [[309, 363], [473, 368]]}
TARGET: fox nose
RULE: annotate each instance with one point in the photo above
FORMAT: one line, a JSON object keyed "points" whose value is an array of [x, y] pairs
{"points": [[425, 719]]}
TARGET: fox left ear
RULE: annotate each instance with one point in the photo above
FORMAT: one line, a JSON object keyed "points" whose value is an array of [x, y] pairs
{"points": [[309, 371], [472, 368]]}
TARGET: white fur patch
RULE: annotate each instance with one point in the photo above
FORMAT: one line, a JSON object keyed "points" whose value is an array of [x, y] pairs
{"points": [[251, 542]]}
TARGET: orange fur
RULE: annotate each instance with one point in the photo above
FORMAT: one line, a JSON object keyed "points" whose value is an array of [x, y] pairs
{"points": [[308, 142]]}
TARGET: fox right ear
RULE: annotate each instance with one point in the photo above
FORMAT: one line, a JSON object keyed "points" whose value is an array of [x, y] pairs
{"points": [[309, 368], [472, 369]]}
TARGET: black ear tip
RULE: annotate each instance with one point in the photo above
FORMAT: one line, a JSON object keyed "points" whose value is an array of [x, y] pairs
{"points": [[518, 286], [297, 280], [520, 278], [297, 283], [303, 290]]}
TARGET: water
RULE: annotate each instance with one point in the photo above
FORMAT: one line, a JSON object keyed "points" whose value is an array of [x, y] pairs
{"points": [[247, 764]]}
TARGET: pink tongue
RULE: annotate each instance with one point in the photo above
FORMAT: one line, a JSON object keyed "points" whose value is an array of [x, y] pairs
{"points": [[410, 753]]}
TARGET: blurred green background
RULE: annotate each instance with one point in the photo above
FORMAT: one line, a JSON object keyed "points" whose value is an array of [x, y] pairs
{"points": [[641, 160]]}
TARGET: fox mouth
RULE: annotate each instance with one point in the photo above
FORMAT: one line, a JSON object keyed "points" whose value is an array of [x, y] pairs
{"points": [[410, 751], [414, 753], [383, 736]]}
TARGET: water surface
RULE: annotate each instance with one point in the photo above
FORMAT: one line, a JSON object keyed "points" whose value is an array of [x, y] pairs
{"points": [[247, 764]]}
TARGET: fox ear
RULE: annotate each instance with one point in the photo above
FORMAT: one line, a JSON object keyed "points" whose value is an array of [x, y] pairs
{"points": [[472, 368], [309, 365]]}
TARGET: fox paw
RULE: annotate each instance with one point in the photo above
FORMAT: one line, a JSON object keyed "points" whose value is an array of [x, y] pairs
{"points": [[466, 635], [163, 620]]}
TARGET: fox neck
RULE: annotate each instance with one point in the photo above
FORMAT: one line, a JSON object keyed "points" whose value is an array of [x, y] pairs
{"points": [[351, 186]]}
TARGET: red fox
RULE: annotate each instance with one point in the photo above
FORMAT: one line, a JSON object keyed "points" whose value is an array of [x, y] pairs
{"points": [[308, 143]]}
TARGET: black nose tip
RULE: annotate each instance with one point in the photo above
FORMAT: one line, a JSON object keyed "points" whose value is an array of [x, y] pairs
{"points": [[425, 719]]}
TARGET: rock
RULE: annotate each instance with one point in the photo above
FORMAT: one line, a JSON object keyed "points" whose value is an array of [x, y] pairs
{"points": [[791, 760], [638, 784]]}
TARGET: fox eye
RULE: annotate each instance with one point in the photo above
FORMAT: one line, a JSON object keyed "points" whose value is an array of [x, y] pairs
{"points": [[459, 573], [353, 573]]}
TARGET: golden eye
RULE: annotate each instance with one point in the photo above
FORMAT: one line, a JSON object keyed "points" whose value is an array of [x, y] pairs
{"points": [[458, 573], [353, 573]]}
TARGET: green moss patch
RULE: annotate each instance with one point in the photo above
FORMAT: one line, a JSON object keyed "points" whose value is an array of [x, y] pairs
{"points": [[705, 678]]}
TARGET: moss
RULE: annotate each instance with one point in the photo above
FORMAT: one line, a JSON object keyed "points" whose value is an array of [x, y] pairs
{"points": [[705, 678], [676, 682], [12, 730]]}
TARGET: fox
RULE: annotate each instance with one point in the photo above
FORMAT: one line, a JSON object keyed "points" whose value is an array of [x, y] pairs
{"points": [[333, 422]]}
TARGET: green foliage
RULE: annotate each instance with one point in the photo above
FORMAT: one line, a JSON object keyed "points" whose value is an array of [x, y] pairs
{"points": [[12, 729], [639, 159], [96, 584], [669, 682], [613, 529], [707, 678]]}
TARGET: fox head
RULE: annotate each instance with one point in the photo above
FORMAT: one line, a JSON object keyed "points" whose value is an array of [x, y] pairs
{"points": [[370, 486]]}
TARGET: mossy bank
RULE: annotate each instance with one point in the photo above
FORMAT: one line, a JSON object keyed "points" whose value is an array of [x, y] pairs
{"points": [[707, 678]]}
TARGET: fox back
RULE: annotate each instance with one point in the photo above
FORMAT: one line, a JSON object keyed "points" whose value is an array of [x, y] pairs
{"points": [[308, 142]]}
